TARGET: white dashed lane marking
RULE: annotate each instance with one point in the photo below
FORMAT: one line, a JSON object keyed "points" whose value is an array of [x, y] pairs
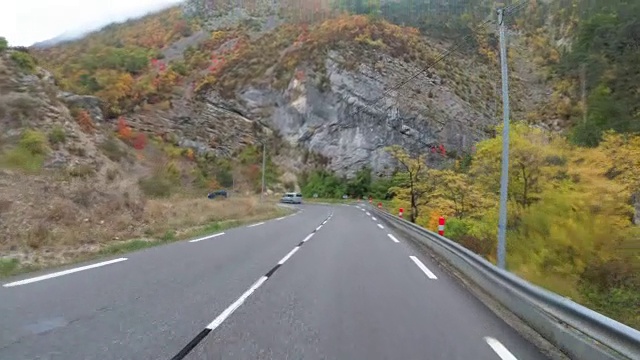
{"points": [[206, 237], [424, 269], [236, 304], [290, 254], [61, 273], [500, 349]]}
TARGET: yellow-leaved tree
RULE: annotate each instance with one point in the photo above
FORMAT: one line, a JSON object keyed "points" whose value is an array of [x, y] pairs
{"points": [[415, 185], [536, 160], [570, 212]]}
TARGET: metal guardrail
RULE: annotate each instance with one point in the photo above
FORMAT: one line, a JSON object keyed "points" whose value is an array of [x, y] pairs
{"points": [[577, 331]]}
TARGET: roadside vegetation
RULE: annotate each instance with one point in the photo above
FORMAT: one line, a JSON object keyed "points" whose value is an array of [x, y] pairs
{"points": [[110, 190], [72, 188], [161, 222], [328, 186], [570, 210], [151, 192], [570, 213]]}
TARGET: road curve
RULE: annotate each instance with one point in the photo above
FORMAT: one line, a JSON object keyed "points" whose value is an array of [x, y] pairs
{"points": [[356, 291], [148, 306], [331, 282]]}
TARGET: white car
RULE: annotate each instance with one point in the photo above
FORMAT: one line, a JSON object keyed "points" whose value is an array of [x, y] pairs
{"points": [[292, 198]]}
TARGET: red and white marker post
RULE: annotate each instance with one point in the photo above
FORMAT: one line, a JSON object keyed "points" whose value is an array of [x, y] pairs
{"points": [[379, 205], [441, 226], [401, 212]]}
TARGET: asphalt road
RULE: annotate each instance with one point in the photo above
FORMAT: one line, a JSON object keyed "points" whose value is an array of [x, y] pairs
{"points": [[326, 283]]}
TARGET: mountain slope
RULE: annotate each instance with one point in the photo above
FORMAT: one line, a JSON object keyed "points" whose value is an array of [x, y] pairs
{"points": [[73, 185], [307, 84], [228, 77]]}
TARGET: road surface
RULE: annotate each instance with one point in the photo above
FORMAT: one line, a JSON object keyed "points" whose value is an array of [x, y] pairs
{"points": [[330, 282]]}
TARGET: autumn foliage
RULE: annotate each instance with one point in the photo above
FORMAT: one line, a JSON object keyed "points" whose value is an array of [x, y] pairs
{"points": [[136, 140], [122, 64], [124, 131], [139, 142], [84, 120], [290, 46], [570, 218]]}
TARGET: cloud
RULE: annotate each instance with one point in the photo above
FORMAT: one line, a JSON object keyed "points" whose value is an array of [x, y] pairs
{"points": [[30, 21]]}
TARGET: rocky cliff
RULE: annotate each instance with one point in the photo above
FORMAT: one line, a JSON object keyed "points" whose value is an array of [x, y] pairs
{"points": [[346, 124], [337, 97], [336, 87]]}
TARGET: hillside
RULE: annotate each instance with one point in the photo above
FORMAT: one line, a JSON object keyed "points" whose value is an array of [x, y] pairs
{"points": [[307, 85], [320, 85], [73, 185]]}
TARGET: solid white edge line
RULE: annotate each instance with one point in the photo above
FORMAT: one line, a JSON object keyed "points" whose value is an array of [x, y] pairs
{"points": [[258, 224], [500, 349], [373, 218], [318, 228], [380, 226], [308, 237], [206, 237], [280, 218], [393, 238], [233, 307], [286, 257], [61, 273], [424, 269]]}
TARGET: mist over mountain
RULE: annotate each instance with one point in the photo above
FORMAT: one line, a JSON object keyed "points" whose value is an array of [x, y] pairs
{"points": [[99, 20]]}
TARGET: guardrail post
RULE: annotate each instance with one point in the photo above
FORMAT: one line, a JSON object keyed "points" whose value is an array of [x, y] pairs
{"points": [[441, 226], [400, 213]]}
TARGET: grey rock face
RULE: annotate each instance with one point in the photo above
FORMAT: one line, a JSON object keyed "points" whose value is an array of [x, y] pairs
{"points": [[345, 124], [91, 104]]}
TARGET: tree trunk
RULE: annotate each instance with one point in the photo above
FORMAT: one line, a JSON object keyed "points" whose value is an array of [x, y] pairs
{"points": [[414, 208]]}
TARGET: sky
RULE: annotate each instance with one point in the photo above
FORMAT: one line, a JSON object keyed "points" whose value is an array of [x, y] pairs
{"points": [[25, 22]]}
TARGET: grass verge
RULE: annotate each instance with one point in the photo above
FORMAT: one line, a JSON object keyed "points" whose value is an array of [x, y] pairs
{"points": [[171, 231]]}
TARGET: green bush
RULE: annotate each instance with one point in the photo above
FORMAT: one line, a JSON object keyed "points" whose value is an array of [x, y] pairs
{"points": [[29, 154], [457, 228], [34, 141], [328, 185], [57, 136], [179, 67], [82, 171], [113, 150], [3, 44], [20, 158], [169, 235], [156, 186], [9, 266], [24, 61]]}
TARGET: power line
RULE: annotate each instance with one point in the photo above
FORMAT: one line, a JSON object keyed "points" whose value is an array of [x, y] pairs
{"points": [[457, 46], [443, 56]]}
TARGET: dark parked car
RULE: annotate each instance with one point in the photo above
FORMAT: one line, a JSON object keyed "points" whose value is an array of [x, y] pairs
{"points": [[218, 193]]}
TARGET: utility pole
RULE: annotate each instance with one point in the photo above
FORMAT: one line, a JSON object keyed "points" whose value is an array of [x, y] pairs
{"points": [[264, 162], [504, 178]]}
